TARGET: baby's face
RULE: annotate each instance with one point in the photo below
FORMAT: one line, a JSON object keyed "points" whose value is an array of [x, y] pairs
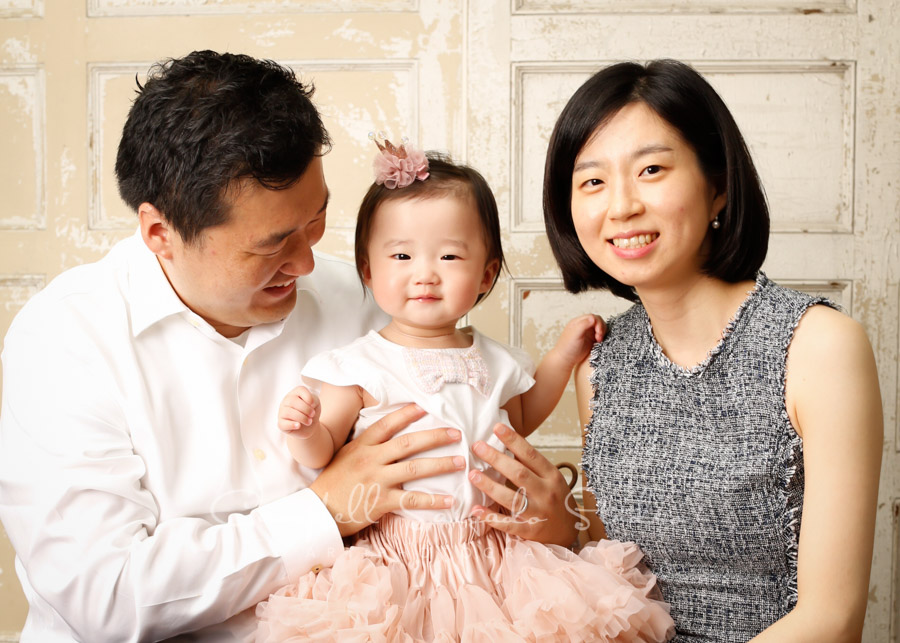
{"points": [[427, 261]]}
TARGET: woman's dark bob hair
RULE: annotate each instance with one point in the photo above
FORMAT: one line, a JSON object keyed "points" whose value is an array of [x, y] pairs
{"points": [[682, 98]]}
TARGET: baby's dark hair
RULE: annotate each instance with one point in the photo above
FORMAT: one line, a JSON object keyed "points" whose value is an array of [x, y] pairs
{"points": [[445, 178]]}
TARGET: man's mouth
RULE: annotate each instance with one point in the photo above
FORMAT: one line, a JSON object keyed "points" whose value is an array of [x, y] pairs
{"points": [[281, 286]]}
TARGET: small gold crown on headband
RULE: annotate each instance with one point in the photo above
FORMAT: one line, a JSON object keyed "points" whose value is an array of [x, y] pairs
{"points": [[397, 167]]}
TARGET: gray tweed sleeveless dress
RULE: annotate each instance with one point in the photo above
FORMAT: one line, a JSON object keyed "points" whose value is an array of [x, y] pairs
{"points": [[701, 467]]}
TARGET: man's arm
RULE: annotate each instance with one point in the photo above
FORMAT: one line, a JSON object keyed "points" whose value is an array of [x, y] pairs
{"points": [[93, 540], [97, 545]]}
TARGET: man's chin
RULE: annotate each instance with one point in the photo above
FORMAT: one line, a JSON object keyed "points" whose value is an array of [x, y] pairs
{"points": [[276, 311]]}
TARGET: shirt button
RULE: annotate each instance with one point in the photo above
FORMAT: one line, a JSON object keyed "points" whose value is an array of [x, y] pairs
{"points": [[316, 569], [259, 454]]}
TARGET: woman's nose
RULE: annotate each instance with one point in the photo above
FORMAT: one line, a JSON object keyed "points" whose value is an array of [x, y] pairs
{"points": [[624, 201]]}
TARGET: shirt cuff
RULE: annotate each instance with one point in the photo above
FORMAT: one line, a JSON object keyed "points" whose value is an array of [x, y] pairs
{"points": [[303, 531]]}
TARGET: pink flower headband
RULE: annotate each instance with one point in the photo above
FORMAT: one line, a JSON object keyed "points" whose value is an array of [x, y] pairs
{"points": [[397, 167]]}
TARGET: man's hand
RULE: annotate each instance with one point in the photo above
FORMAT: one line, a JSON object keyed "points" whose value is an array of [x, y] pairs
{"points": [[365, 479], [540, 507]]}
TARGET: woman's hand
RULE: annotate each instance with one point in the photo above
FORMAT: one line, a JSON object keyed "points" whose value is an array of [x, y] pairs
{"points": [[365, 479], [541, 507]]}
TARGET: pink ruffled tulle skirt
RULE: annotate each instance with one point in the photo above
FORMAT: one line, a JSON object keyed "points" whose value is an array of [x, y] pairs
{"points": [[411, 581]]}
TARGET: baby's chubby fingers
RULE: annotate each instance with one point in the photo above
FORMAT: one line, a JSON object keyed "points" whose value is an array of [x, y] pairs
{"points": [[598, 325]]}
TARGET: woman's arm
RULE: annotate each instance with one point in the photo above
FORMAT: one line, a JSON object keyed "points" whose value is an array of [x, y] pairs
{"points": [[583, 393], [834, 402]]}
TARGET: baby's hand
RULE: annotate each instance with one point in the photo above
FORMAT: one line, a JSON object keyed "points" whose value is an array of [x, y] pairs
{"points": [[298, 411], [578, 337]]}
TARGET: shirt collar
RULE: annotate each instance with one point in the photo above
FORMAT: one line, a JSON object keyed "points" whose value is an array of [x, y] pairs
{"points": [[308, 284], [152, 297]]}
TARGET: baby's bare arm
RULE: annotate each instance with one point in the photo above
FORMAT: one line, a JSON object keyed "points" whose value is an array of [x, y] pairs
{"points": [[317, 428], [552, 374]]}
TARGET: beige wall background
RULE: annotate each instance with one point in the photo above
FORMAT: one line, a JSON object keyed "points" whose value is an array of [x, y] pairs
{"points": [[814, 84]]}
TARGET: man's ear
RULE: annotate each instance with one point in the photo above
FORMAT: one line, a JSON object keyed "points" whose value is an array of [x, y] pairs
{"points": [[156, 231]]}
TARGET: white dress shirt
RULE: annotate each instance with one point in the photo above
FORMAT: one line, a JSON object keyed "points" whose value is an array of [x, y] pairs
{"points": [[144, 483]]}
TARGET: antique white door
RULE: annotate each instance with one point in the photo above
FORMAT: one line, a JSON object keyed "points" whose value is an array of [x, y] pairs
{"points": [[813, 84]]}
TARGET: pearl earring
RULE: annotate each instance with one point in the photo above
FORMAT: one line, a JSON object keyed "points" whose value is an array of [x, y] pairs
{"points": [[715, 225]]}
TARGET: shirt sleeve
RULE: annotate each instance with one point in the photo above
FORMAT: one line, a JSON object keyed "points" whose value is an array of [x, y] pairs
{"points": [[93, 541]]}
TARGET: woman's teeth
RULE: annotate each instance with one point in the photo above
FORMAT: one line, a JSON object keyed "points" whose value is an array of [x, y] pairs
{"points": [[637, 241]]}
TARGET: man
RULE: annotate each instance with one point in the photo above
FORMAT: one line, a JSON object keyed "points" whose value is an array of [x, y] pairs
{"points": [[143, 482]]}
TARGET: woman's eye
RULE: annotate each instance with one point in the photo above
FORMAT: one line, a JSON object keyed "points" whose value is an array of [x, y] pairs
{"points": [[652, 169], [593, 182]]}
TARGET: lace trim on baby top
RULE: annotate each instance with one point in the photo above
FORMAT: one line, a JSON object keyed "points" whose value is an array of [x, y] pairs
{"points": [[432, 368], [676, 369]]}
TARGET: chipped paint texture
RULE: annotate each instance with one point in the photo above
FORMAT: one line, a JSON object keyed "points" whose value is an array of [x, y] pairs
{"points": [[21, 166], [18, 50], [192, 7]]}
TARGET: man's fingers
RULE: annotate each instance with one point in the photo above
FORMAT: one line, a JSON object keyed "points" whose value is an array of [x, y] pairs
{"points": [[385, 428], [420, 500], [400, 473]]}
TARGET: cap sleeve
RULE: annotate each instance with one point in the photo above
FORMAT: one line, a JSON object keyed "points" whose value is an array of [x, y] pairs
{"points": [[511, 368], [340, 367]]}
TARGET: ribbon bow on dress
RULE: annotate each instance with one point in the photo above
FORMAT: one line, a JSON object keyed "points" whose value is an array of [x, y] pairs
{"points": [[432, 368]]}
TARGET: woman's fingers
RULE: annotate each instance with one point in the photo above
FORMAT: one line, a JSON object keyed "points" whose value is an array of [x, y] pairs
{"points": [[540, 506]]}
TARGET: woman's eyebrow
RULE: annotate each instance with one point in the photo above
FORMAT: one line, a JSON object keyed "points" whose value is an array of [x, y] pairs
{"points": [[653, 148]]}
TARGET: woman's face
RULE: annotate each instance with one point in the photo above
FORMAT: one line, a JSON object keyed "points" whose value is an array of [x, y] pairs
{"points": [[641, 204]]}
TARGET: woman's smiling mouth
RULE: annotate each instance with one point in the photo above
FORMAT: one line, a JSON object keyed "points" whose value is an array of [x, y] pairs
{"points": [[637, 241]]}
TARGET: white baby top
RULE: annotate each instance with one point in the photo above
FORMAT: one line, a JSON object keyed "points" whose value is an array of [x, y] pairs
{"points": [[461, 388]]}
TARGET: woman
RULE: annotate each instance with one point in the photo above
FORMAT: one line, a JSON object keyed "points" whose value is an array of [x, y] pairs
{"points": [[734, 427]]}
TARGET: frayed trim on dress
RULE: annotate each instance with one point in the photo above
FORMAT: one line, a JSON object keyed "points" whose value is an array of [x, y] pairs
{"points": [[668, 365], [794, 471]]}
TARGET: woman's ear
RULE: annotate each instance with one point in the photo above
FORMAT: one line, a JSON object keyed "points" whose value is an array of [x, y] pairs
{"points": [[157, 233]]}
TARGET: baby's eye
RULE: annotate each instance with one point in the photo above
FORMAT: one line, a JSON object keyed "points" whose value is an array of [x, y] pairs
{"points": [[652, 169], [400, 256], [449, 257]]}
